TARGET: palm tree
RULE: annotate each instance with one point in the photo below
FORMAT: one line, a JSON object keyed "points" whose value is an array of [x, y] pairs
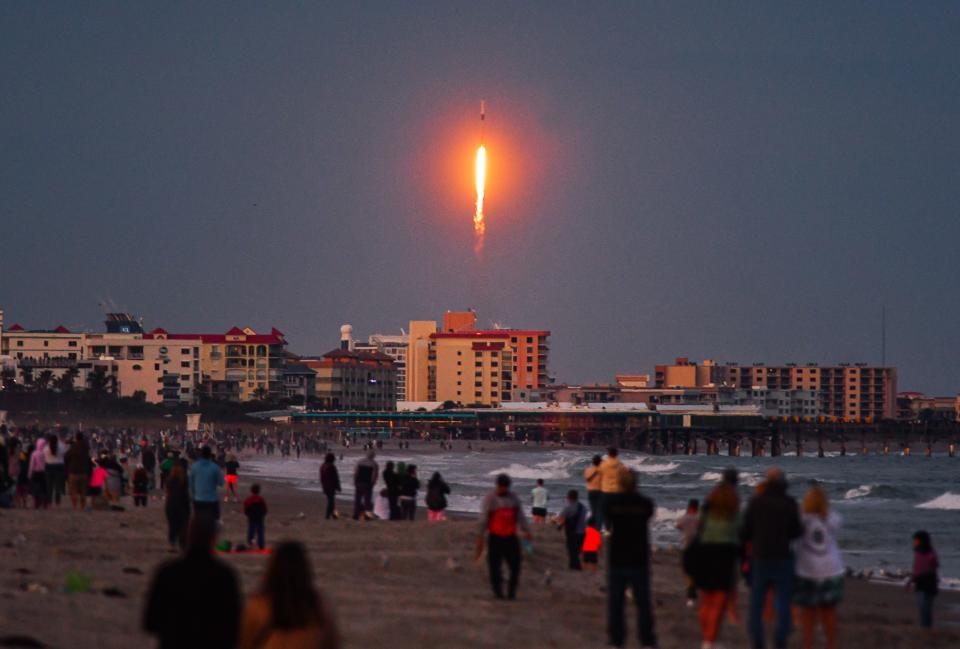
{"points": [[44, 380], [97, 382], [65, 382], [261, 394]]}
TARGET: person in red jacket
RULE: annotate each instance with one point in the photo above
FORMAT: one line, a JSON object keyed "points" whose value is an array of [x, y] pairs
{"points": [[500, 516], [255, 509], [592, 541]]}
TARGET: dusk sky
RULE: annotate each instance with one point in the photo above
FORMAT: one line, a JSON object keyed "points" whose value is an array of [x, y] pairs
{"points": [[741, 182]]}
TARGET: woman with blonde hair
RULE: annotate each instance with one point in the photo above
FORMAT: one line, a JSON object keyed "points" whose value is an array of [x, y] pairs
{"points": [[288, 612], [819, 567]]}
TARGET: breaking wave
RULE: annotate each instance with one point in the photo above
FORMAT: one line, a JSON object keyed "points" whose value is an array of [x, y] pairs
{"points": [[946, 500]]}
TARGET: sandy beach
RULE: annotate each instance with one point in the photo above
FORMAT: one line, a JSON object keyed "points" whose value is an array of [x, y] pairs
{"points": [[402, 585]]}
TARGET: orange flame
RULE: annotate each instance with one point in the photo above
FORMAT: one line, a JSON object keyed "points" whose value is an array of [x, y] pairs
{"points": [[479, 227]]}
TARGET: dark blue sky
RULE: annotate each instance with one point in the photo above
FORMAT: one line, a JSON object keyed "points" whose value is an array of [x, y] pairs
{"points": [[735, 181]]}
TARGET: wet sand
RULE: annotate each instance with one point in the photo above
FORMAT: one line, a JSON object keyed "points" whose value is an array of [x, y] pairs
{"points": [[398, 585]]}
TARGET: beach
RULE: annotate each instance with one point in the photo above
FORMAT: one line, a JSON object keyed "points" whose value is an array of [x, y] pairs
{"points": [[400, 584]]}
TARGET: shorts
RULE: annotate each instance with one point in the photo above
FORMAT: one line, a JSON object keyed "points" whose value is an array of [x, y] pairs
{"points": [[814, 593], [231, 479], [539, 511], [590, 557], [77, 484]]}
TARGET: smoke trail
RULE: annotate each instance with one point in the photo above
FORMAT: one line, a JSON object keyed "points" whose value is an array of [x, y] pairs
{"points": [[479, 226]]}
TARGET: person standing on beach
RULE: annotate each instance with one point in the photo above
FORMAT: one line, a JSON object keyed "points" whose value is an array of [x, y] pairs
{"points": [[206, 479], [37, 475], [330, 483], [611, 471], [55, 472], [409, 486], [255, 509], [819, 584], [770, 523], [628, 514], [437, 491], [231, 467], [392, 481], [501, 517], [573, 521], [539, 495], [77, 462], [714, 569], [194, 601], [591, 476], [924, 578], [177, 506], [364, 478]]}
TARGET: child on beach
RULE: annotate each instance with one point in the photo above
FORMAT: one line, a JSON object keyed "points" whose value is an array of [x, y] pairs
{"points": [[592, 540], [924, 578], [255, 509], [141, 483]]}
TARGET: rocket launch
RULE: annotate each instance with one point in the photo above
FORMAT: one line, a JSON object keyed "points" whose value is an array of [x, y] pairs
{"points": [[480, 172]]}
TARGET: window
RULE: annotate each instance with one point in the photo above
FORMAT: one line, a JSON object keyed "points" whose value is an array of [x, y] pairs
{"points": [[529, 339], [478, 373], [513, 339], [478, 394], [184, 377], [478, 364], [459, 373], [72, 343], [494, 364], [72, 356], [529, 350], [529, 369], [459, 362], [493, 395], [478, 384], [459, 353], [156, 367], [185, 364], [478, 354], [137, 368]]}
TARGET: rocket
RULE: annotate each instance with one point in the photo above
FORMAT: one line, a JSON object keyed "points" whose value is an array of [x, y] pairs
{"points": [[483, 109]]}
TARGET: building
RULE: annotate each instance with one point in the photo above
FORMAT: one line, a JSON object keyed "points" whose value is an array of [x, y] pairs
{"points": [[459, 363], [36, 344], [354, 380], [916, 406], [845, 391], [164, 371], [252, 360], [299, 382], [394, 346]]}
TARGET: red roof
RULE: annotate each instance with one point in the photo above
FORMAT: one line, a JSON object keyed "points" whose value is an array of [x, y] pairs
{"points": [[235, 332], [15, 327], [276, 332], [61, 330], [472, 334]]}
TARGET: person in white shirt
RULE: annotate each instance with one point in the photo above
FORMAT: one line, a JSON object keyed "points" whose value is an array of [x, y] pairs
{"points": [[819, 568], [539, 510]]}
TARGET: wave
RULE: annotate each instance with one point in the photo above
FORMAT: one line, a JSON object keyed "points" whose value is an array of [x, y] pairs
{"points": [[557, 469], [744, 478], [948, 500], [641, 465], [859, 492]]}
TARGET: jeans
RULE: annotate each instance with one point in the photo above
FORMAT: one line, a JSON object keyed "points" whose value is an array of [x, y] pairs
{"points": [[574, 543], [362, 499], [595, 498], [56, 475], [499, 549], [255, 528], [331, 503], [925, 604], [638, 579], [766, 574]]}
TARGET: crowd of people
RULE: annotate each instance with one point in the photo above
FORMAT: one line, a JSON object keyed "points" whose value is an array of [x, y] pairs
{"points": [[786, 552]]}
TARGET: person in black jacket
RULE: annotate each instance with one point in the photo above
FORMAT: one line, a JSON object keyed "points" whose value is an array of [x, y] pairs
{"points": [[409, 486], [770, 522], [392, 480], [330, 483], [627, 515], [194, 601], [437, 490]]}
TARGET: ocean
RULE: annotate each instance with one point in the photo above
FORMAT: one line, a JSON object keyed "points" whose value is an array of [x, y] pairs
{"points": [[882, 500]]}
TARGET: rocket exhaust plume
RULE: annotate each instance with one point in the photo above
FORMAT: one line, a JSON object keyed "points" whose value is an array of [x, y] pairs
{"points": [[480, 172]]}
